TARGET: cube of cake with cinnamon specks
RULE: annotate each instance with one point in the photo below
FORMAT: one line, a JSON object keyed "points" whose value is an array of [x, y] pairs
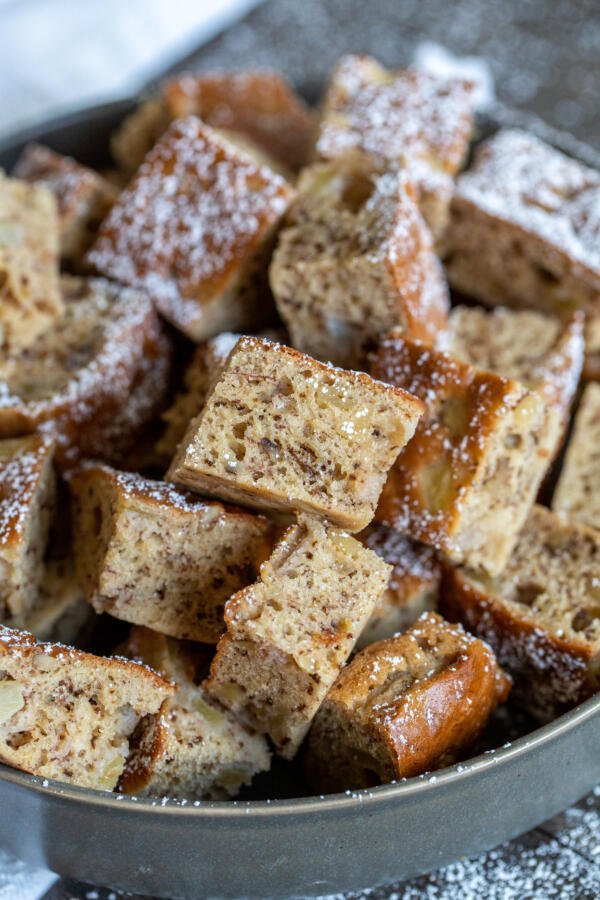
{"points": [[289, 634], [354, 260], [468, 478], [409, 704], [194, 228], [280, 430], [411, 118]]}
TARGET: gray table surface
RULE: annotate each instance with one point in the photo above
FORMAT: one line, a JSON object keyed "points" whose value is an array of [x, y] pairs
{"points": [[545, 58]]}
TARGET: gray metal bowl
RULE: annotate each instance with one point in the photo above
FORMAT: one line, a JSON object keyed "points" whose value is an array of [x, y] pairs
{"points": [[295, 847]]}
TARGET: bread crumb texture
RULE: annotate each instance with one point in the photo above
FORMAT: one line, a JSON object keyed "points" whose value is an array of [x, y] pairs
{"points": [[281, 430], [154, 555], [69, 715], [289, 634], [541, 615]]}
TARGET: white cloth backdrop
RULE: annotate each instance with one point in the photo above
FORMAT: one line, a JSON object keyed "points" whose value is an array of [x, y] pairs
{"points": [[60, 54]]}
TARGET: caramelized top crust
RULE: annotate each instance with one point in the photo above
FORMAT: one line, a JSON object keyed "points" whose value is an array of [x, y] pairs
{"points": [[462, 408], [22, 464], [193, 216], [423, 694], [403, 116], [259, 104], [521, 180]]}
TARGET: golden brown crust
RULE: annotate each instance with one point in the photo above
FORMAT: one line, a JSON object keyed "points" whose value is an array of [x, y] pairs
{"points": [[524, 227], [403, 706], [450, 485], [354, 259], [540, 615], [259, 105], [191, 227], [408, 117]]}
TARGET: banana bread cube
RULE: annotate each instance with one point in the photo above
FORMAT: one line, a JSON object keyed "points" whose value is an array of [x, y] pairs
{"points": [[82, 195], [257, 109], [467, 480], [150, 554], [69, 715], [104, 363], [196, 749], [411, 118], [289, 634], [413, 587], [545, 353], [280, 430], [524, 227], [194, 228], [577, 493], [404, 706], [354, 261], [541, 615], [30, 298], [27, 496]]}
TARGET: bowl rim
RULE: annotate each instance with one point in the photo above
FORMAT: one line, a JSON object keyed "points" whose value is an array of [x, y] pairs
{"points": [[236, 810], [306, 806]]}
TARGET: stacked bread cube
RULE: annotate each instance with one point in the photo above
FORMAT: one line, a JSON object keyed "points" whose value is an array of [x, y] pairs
{"points": [[268, 520]]}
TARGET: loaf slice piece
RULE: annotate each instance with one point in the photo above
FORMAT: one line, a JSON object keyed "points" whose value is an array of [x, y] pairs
{"points": [[525, 226], [27, 496], [411, 118], [468, 478], [413, 586], [195, 750], [403, 706], [355, 260], [83, 195], [541, 615], [194, 227], [148, 553], [289, 634], [255, 109], [281, 430], [68, 715], [78, 379], [30, 298], [577, 494], [544, 353]]}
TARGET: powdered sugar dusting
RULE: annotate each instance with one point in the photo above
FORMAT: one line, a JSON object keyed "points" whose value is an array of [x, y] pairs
{"points": [[400, 116], [23, 461], [193, 216], [518, 178]]}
